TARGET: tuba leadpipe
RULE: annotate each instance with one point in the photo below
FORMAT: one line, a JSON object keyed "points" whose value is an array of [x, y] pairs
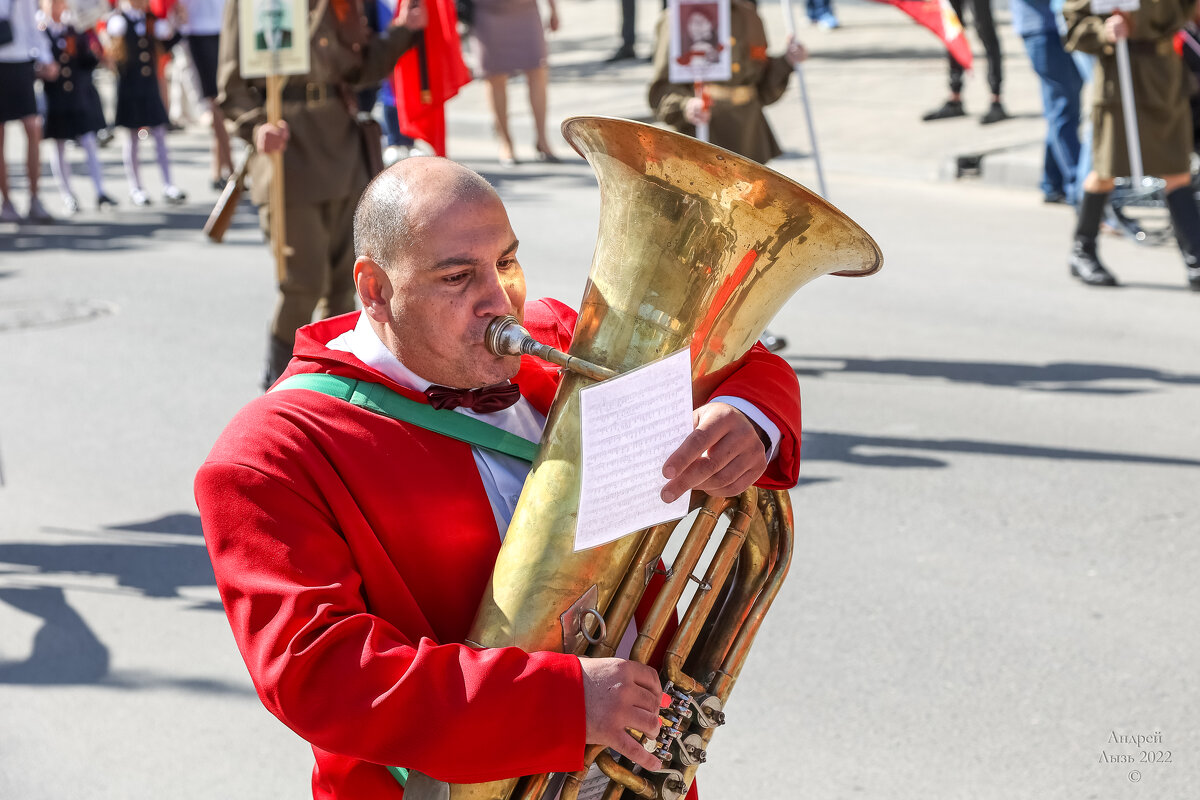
{"points": [[698, 248]]}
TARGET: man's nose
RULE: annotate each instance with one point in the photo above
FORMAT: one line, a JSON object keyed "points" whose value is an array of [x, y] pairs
{"points": [[495, 300]]}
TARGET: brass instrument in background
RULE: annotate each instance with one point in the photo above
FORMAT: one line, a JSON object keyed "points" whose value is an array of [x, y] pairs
{"points": [[697, 248]]}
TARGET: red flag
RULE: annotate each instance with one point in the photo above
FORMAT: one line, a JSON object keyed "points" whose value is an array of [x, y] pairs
{"points": [[430, 74], [939, 17]]}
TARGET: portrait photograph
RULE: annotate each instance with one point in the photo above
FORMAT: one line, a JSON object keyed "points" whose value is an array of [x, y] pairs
{"points": [[275, 37], [700, 47]]}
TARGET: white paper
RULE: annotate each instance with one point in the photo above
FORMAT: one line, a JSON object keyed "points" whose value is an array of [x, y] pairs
{"points": [[1101, 7], [630, 425]]}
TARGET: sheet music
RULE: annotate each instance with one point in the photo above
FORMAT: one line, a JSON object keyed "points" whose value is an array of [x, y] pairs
{"points": [[630, 424]]}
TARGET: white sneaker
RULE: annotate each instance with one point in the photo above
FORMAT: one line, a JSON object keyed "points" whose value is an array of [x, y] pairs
{"points": [[174, 195], [8, 213], [138, 198], [395, 152], [38, 212], [70, 205]]}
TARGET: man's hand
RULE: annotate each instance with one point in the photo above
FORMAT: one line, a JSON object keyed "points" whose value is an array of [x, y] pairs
{"points": [[795, 52], [411, 15], [723, 456], [1119, 26], [47, 71], [695, 112], [271, 137], [620, 694]]}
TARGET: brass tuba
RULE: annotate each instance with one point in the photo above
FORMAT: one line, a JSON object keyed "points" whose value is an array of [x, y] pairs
{"points": [[699, 248]]}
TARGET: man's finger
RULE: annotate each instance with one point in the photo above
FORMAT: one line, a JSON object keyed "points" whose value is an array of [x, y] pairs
{"points": [[692, 448], [697, 473], [632, 749], [731, 473], [733, 487]]}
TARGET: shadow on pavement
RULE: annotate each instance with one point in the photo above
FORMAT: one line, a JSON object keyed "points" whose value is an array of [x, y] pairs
{"points": [[1057, 377], [65, 650], [845, 448], [121, 231], [153, 568]]}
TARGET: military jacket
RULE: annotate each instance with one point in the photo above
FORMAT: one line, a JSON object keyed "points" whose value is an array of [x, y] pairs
{"points": [[1160, 87], [325, 158], [737, 121]]}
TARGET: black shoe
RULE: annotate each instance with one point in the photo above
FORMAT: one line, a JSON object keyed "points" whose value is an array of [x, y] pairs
{"points": [[1054, 197], [1086, 266], [995, 114], [1193, 278], [624, 53], [951, 108], [103, 200]]}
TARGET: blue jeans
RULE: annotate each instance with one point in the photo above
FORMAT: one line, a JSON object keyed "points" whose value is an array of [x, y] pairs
{"points": [[819, 8], [391, 127], [1061, 85]]}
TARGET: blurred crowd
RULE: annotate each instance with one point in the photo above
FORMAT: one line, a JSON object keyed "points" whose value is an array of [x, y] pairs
{"points": [[158, 62]]}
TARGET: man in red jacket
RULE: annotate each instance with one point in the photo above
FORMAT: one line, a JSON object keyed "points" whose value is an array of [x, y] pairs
{"points": [[351, 550]]}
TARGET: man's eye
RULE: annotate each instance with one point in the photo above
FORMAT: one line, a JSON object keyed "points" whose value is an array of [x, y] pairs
{"points": [[455, 279], [507, 263]]}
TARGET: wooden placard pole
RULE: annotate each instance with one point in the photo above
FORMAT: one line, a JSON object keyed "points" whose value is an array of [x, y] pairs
{"points": [[277, 209], [274, 44]]}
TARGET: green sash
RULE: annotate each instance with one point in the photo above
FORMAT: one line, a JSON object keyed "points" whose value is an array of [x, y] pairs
{"points": [[382, 400]]}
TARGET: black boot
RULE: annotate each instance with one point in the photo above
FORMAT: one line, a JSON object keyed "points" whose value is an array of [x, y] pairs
{"points": [[1084, 262], [1185, 218], [279, 353]]}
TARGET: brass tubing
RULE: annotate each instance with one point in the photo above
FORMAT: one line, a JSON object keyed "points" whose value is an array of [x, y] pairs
{"points": [[736, 658], [613, 791], [702, 602], [574, 781], [685, 562], [532, 787], [781, 536], [634, 783], [753, 566], [625, 602]]}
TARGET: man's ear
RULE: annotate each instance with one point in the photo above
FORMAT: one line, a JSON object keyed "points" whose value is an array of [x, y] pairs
{"points": [[373, 286]]}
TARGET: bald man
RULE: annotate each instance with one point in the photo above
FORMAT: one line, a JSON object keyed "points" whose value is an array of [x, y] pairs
{"points": [[351, 548]]}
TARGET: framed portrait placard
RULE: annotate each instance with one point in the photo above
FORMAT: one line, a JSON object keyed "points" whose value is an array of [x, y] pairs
{"points": [[273, 37], [700, 48], [87, 13]]}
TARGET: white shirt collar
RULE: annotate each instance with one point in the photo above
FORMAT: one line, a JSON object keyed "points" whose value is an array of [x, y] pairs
{"points": [[363, 343]]}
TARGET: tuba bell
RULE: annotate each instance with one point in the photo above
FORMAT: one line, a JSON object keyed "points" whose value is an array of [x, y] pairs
{"points": [[697, 248]]}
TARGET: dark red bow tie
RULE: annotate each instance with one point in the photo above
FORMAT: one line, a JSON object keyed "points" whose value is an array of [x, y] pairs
{"points": [[484, 401]]}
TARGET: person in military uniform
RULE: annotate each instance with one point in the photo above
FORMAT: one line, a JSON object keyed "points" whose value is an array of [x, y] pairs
{"points": [[736, 120], [1160, 88], [325, 164]]}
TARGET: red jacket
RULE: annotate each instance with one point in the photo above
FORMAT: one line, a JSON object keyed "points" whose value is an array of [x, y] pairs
{"points": [[351, 552]]}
